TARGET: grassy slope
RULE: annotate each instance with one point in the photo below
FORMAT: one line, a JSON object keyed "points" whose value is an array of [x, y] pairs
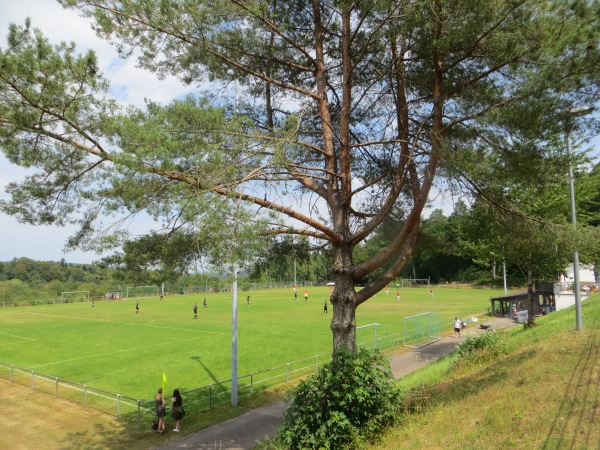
{"points": [[544, 393]]}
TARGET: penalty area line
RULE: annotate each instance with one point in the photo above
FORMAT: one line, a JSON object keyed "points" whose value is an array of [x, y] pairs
{"points": [[19, 337], [114, 353]]}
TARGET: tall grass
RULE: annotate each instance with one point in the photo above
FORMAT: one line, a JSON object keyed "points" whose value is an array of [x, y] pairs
{"points": [[541, 391]]}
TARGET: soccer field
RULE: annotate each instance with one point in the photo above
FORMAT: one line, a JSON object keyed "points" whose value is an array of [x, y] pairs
{"points": [[111, 347]]}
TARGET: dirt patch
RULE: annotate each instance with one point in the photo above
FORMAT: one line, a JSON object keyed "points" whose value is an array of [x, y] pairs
{"points": [[37, 420]]}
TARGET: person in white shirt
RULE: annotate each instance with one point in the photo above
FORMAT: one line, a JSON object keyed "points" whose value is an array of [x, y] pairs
{"points": [[457, 327]]}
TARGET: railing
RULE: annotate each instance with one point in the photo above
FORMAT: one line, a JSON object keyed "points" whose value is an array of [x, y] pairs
{"points": [[138, 411]]}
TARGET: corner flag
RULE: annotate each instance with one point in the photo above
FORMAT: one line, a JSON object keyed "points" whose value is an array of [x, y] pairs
{"points": [[164, 383]]}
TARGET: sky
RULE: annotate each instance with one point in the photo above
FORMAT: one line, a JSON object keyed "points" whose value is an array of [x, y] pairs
{"points": [[129, 86]]}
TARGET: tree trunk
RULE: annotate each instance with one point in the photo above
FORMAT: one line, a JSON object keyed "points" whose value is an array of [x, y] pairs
{"points": [[530, 298], [343, 324]]}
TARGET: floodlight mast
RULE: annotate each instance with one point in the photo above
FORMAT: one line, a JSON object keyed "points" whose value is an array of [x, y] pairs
{"points": [[575, 112]]}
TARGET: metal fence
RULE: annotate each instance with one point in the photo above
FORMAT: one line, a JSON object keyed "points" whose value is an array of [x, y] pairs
{"points": [[136, 411]]}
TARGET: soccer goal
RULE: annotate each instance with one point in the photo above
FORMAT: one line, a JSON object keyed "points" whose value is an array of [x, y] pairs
{"points": [[75, 296], [422, 329], [414, 282], [115, 294], [141, 291]]}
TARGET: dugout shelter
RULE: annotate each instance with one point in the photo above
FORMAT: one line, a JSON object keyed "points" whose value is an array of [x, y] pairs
{"points": [[544, 301]]}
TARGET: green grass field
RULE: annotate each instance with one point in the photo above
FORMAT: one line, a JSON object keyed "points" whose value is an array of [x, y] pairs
{"points": [[112, 348]]}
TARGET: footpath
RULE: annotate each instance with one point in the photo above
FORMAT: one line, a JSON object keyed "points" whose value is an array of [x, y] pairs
{"points": [[246, 431]]}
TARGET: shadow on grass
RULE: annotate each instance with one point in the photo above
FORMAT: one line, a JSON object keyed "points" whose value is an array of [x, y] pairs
{"points": [[206, 369], [581, 396], [462, 388]]}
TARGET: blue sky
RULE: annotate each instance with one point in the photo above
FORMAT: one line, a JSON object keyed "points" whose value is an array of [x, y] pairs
{"points": [[129, 86]]}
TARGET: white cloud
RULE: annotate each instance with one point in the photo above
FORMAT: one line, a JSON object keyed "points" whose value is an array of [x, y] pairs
{"points": [[129, 85]]}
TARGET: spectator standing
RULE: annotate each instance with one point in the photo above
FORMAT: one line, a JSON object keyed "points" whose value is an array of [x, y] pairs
{"points": [[161, 412], [177, 411]]}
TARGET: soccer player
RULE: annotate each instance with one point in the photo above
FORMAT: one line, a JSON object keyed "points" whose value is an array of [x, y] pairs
{"points": [[195, 310], [137, 307], [325, 308]]}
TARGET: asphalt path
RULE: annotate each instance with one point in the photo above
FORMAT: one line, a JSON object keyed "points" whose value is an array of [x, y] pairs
{"points": [[246, 431]]}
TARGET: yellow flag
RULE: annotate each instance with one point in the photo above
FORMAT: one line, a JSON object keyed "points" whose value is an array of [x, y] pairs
{"points": [[164, 383]]}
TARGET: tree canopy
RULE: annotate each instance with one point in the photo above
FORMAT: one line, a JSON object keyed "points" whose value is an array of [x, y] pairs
{"points": [[347, 113]]}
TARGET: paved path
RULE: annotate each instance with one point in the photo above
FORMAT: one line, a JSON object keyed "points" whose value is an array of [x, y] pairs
{"points": [[245, 431]]}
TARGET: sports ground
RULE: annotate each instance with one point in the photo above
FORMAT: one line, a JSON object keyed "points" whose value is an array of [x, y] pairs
{"points": [[111, 347]]}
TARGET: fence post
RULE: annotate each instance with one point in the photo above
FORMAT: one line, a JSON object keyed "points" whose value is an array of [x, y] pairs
{"points": [[138, 414], [84, 395], [32, 380], [375, 343], [118, 406], [56, 387]]}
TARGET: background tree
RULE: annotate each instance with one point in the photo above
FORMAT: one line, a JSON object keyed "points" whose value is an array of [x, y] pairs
{"points": [[531, 227], [350, 111]]}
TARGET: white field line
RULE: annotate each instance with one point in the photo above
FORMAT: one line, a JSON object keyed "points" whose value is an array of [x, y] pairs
{"points": [[125, 323], [20, 337], [96, 355]]}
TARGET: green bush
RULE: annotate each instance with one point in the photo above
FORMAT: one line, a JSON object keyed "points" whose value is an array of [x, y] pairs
{"points": [[488, 341], [348, 401]]}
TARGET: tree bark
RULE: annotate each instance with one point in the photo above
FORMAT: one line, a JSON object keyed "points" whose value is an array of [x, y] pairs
{"points": [[343, 324]]}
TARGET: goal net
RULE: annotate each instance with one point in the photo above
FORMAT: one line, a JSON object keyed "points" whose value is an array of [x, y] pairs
{"points": [[115, 294], [422, 329], [414, 283], [141, 291], [75, 296]]}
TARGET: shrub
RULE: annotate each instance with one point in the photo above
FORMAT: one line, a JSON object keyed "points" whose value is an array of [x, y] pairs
{"points": [[349, 400], [485, 341]]}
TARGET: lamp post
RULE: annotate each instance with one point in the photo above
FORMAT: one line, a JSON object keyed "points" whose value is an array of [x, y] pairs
{"points": [[575, 112]]}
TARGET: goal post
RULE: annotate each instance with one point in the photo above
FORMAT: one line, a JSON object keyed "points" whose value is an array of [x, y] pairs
{"points": [[413, 283], [141, 291], [422, 329], [75, 296]]}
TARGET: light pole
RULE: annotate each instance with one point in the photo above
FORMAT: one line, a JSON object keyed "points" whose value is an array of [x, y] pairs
{"points": [[234, 338], [504, 276], [575, 112]]}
